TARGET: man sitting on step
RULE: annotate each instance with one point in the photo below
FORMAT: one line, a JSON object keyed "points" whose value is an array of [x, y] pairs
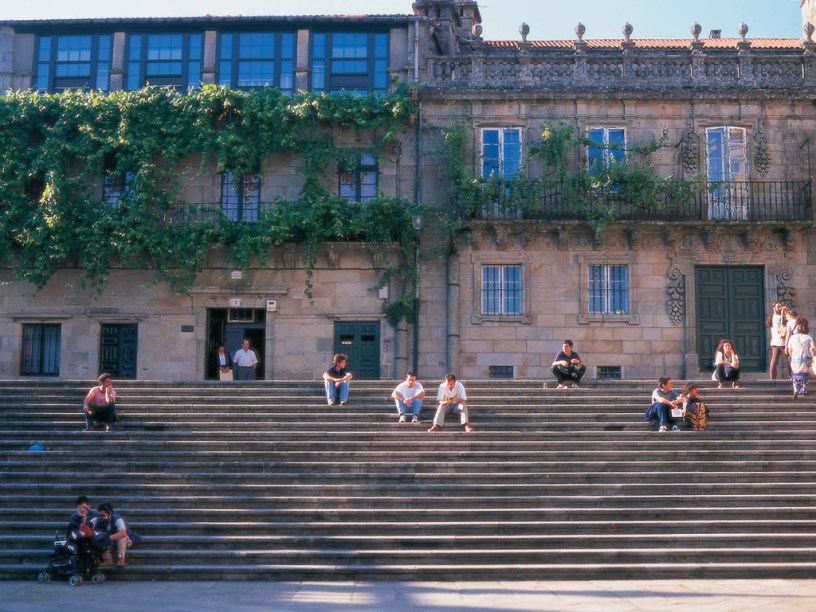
{"points": [[567, 366], [451, 396], [408, 396]]}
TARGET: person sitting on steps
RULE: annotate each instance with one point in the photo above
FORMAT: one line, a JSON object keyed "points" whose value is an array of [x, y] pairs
{"points": [[567, 366]]}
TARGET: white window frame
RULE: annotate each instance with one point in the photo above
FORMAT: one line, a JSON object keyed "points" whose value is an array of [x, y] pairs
{"points": [[609, 156], [730, 200], [503, 134]]}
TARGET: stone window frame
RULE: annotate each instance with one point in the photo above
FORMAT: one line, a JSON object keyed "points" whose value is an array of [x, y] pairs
{"points": [[524, 261], [608, 259], [27, 350]]}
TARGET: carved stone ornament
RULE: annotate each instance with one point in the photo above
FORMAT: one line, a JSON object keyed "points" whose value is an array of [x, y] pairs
{"points": [[676, 295], [691, 150], [784, 292], [762, 158]]}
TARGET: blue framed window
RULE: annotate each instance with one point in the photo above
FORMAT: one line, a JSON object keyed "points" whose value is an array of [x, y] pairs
{"points": [[502, 289], [608, 289], [360, 184], [240, 196], [41, 349], [501, 152], [351, 61], [73, 62], [610, 148], [250, 60], [164, 59]]}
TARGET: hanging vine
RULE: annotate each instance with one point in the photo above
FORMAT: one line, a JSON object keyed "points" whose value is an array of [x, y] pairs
{"points": [[55, 149]]}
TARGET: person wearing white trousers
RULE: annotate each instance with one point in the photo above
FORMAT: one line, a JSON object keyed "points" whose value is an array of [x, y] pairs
{"points": [[451, 397]]}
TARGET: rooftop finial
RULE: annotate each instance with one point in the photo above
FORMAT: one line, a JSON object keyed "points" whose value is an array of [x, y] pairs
{"points": [[696, 29], [524, 30], [627, 30], [743, 30], [580, 30]]}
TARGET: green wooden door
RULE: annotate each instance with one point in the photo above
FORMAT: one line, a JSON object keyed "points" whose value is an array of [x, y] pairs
{"points": [[118, 349], [360, 340], [730, 304]]}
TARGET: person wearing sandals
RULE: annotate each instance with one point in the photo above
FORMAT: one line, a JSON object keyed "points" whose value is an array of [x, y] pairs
{"points": [[726, 364], [800, 353]]}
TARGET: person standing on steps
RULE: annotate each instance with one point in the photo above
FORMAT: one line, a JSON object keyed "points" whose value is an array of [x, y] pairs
{"points": [[408, 397], [800, 354], [245, 361], [567, 366], [451, 397], [100, 405], [779, 333], [223, 363], [337, 379]]}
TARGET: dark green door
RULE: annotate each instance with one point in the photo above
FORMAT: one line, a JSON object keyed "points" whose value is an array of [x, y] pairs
{"points": [[117, 353], [730, 304], [360, 340]]}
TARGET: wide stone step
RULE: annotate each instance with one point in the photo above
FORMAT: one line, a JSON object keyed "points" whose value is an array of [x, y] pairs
{"points": [[553, 482]]}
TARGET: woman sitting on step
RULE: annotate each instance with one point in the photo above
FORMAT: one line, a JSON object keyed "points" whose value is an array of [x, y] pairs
{"points": [[726, 364]]}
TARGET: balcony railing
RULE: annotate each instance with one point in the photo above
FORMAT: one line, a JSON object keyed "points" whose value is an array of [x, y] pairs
{"points": [[745, 201]]}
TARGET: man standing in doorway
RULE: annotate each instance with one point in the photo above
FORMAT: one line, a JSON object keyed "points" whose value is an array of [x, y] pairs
{"points": [[245, 362]]}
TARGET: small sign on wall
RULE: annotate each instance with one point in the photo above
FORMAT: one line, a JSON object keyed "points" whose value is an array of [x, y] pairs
{"points": [[386, 346], [235, 302]]}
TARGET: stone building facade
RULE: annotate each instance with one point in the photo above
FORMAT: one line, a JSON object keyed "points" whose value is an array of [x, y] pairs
{"points": [[501, 285]]}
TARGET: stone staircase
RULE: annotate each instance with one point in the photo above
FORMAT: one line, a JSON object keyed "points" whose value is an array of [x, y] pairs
{"points": [[264, 481]]}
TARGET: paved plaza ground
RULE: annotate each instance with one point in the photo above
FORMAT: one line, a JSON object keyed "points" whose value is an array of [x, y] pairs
{"points": [[587, 596]]}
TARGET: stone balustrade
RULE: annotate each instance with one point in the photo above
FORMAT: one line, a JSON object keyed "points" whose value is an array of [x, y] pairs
{"points": [[646, 69]]}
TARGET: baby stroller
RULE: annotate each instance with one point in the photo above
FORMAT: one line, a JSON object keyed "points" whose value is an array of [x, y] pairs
{"points": [[74, 559]]}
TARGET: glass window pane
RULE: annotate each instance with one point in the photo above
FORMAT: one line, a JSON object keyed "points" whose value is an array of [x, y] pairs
{"points": [[256, 46], [512, 152], [490, 153]]}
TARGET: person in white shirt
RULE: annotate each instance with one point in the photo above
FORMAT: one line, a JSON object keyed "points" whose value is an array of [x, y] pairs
{"points": [[408, 396], [245, 362], [451, 396]]}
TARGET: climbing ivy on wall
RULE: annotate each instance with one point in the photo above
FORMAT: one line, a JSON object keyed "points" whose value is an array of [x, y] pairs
{"points": [[55, 148]]}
